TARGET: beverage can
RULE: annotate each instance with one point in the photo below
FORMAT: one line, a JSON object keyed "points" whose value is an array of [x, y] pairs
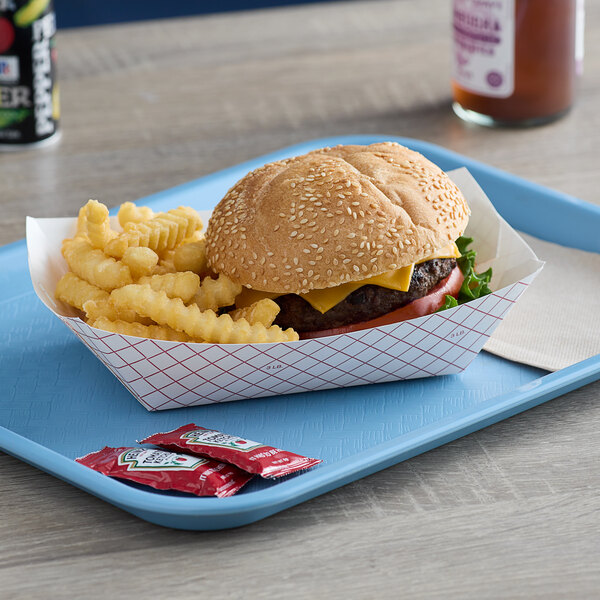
{"points": [[29, 97]]}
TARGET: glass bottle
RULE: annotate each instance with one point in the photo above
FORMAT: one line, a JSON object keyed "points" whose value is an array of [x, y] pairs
{"points": [[514, 60]]}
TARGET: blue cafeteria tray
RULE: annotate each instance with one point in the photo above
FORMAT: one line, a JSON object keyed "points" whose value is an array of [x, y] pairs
{"points": [[59, 402]]}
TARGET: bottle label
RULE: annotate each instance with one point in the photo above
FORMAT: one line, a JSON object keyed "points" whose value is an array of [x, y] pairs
{"points": [[484, 46]]}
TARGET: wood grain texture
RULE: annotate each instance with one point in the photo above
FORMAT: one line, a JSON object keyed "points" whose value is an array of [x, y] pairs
{"points": [[508, 512]]}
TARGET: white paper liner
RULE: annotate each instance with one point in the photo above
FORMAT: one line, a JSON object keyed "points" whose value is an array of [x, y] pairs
{"points": [[164, 375]]}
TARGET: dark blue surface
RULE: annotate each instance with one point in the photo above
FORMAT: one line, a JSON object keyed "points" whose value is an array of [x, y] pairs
{"points": [[80, 13], [59, 402]]}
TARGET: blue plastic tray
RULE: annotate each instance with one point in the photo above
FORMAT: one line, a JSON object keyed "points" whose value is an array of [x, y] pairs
{"points": [[59, 402]]}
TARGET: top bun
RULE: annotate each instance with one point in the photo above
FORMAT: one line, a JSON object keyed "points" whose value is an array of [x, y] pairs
{"points": [[332, 216]]}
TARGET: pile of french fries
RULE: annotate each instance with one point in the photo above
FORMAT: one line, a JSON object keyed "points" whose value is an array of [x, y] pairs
{"points": [[151, 279]]}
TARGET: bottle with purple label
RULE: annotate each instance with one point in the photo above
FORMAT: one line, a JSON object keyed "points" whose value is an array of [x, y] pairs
{"points": [[515, 61], [29, 105]]}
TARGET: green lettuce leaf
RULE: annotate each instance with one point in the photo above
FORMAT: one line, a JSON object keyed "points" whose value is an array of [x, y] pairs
{"points": [[474, 285]]}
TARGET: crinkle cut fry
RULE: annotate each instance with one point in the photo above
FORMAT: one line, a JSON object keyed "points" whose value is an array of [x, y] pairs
{"points": [[264, 311], [163, 232], [140, 260], [98, 224], [176, 285], [191, 256], [82, 222], [74, 291], [96, 310], [205, 325], [154, 332], [215, 293], [130, 213], [94, 266]]}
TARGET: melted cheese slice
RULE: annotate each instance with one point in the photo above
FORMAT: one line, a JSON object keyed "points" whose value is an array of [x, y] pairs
{"points": [[324, 300]]}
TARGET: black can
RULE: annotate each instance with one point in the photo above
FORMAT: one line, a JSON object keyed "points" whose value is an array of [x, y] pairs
{"points": [[29, 101]]}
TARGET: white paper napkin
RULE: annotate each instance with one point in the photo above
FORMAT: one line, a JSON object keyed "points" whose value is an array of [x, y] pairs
{"points": [[556, 322]]}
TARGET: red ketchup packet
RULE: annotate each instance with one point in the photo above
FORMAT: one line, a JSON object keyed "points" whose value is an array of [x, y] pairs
{"points": [[168, 471], [253, 457]]}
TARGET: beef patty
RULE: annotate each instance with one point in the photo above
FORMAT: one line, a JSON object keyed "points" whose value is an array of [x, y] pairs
{"points": [[367, 302]]}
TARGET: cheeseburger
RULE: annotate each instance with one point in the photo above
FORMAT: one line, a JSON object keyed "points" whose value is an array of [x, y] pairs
{"points": [[342, 238]]}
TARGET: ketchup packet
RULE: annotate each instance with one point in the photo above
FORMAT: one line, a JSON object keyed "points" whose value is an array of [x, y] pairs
{"points": [[167, 470], [253, 457]]}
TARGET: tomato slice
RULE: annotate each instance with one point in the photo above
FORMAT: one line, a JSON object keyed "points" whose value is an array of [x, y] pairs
{"points": [[417, 308]]}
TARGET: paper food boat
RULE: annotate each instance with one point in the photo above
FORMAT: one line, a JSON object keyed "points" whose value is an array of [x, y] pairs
{"points": [[164, 375]]}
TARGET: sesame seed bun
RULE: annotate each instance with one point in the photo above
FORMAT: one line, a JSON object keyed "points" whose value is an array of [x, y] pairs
{"points": [[332, 216]]}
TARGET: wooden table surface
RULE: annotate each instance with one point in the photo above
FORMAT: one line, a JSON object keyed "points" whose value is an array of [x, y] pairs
{"points": [[509, 512]]}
